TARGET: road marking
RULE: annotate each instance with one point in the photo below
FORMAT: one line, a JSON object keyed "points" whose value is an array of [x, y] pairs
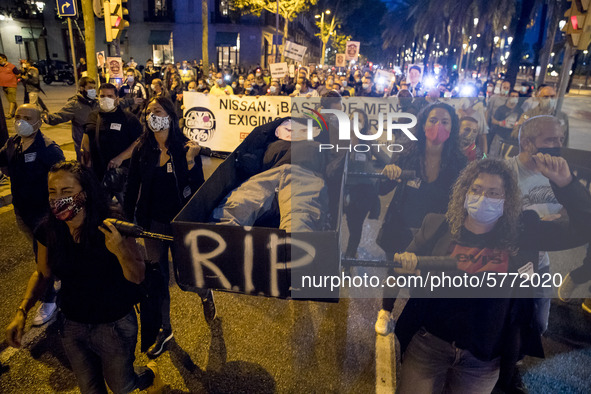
{"points": [[28, 338], [385, 352]]}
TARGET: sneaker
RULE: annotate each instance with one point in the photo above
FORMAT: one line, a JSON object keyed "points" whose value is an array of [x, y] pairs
{"points": [[383, 323], [157, 383], [587, 305], [209, 310], [161, 339], [566, 289], [44, 314]]}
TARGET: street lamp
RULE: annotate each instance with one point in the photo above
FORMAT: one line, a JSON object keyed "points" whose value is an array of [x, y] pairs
{"points": [[510, 40], [475, 21], [561, 24]]}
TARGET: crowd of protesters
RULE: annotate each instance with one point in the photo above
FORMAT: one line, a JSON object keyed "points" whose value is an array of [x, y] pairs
{"points": [[133, 162]]}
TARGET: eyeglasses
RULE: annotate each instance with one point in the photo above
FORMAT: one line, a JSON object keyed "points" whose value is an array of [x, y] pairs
{"points": [[478, 191]]}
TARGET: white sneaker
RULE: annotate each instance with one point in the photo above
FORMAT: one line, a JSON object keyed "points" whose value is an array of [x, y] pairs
{"points": [[383, 322], [44, 313]]}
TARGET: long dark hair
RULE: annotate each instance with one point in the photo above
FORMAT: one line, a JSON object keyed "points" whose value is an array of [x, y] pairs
{"points": [[451, 157], [175, 136], [96, 209]]}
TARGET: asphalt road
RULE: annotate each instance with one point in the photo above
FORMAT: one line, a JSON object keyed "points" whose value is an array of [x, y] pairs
{"points": [[263, 345]]}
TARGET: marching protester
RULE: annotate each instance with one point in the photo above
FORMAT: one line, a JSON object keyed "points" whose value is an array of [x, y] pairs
{"points": [[459, 344], [544, 104], [27, 158], [436, 160], [150, 73], [109, 138], [31, 81], [167, 177], [468, 134], [220, 86], [77, 110], [99, 271], [504, 119], [158, 89], [133, 93], [8, 81]]}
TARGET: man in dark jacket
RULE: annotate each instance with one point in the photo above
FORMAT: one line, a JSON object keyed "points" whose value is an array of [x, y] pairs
{"points": [[110, 135], [77, 110], [31, 81], [26, 158]]}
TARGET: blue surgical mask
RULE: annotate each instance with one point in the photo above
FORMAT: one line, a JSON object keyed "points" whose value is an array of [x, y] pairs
{"points": [[483, 209]]}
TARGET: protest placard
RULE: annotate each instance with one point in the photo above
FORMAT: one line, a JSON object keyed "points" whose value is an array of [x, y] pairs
{"points": [[222, 122]]}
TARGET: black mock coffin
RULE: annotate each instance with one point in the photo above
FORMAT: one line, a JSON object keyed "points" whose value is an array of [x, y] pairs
{"points": [[254, 260]]}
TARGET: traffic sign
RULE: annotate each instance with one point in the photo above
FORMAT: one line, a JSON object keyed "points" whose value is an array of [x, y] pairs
{"points": [[18, 39], [66, 8]]}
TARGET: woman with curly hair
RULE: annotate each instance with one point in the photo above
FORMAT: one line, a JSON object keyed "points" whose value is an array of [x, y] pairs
{"points": [[458, 344], [437, 161]]}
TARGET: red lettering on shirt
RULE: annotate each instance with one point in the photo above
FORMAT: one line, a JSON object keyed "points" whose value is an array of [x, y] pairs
{"points": [[475, 259]]}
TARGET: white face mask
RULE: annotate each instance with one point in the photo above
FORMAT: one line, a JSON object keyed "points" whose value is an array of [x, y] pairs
{"points": [[220, 81], [513, 100], [298, 87], [365, 86], [153, 87], [344, 84], [23, 128], [130, 79], [107, 104], [158, 123], [273, 89], [91, 94]]}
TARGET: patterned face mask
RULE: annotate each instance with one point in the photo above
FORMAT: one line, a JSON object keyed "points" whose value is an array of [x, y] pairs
{"points": [[68, 207], [158, 123]]}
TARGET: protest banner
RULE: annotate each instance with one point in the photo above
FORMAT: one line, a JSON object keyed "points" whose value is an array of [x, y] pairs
{"points": [[100, 59], [340, 60], [278, 70], [222, 122], [384, 77], [115, 66], [294, 51], [352, 52]]}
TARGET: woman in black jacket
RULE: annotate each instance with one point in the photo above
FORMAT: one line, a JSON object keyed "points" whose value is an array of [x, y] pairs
{"points": [[164, 172], [437, 161], [459, 344]]}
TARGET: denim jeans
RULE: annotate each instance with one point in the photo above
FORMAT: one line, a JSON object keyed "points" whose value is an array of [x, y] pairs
{"points": [[105, 352], [432, 365], [302, 197]]}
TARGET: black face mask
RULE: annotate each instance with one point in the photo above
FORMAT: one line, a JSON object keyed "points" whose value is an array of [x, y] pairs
{"points": [[550, 151]]}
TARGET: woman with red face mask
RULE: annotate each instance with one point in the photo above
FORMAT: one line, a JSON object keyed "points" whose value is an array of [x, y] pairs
{"points": [[437, 161]]}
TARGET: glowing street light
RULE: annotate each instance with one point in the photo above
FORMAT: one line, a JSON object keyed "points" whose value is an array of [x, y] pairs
{"points": [[561, 24], [510, 40], [475, 21]]}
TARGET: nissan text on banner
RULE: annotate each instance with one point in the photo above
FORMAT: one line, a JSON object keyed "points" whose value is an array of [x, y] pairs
{"points": [[222, 122]]}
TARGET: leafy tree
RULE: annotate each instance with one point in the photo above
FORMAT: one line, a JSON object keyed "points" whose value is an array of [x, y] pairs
{"points": [[288, 9]]}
